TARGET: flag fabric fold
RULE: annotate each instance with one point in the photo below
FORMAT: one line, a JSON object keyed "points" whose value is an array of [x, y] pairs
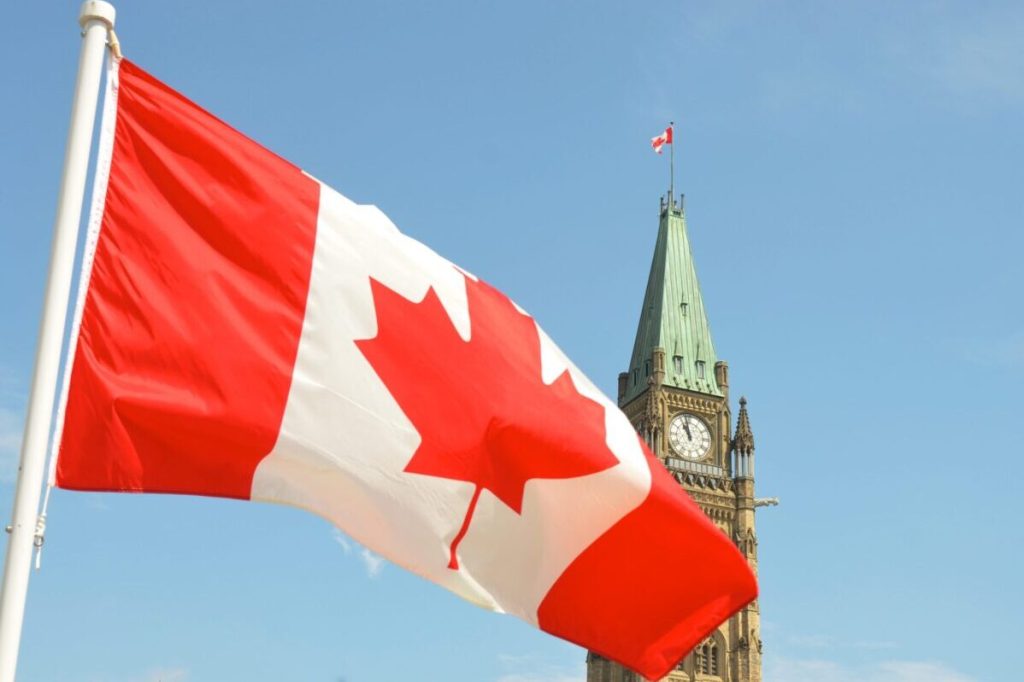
{"points": [[245, 331]]}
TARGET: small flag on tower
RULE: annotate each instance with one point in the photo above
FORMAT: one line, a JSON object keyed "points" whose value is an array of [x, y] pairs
{"points": [[661, 140]]}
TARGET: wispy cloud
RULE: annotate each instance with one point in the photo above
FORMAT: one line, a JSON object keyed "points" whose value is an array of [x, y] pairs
{"points": [[971, 56], [373, 563], [166, 675], [543, 677], [97, 502], [10, 443], [780, 669], [11, 423], [829, 642], [985, 57], [965, 56], [1006, 352], [531, 668]]}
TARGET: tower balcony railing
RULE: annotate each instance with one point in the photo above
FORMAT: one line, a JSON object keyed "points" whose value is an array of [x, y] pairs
{"points": [[679, 464]]}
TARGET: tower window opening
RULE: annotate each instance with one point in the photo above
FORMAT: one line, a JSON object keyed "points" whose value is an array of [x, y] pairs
{"points": [[705, 665], [700, 369], [636, 375], [713, 659], [647, 368], [682, 308], [677, 363]]}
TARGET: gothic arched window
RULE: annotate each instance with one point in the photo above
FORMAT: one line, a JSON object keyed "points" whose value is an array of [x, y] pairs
{"points": [[705, 658]]}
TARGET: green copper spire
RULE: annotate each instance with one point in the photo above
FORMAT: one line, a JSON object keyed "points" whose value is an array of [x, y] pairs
{"points": [[672, 318]]}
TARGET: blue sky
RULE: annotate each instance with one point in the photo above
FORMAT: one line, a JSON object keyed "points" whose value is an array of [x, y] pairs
{"points": [[853, 185]]}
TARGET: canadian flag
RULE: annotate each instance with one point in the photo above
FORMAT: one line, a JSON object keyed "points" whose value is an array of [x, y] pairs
{"points": [[661, 140], [244, 331]]}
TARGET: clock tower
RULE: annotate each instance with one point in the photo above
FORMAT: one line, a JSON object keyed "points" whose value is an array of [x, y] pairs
{"points": [[676, 394]]}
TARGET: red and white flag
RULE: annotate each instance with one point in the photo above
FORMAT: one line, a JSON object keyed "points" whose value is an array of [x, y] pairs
{"points": [[661, 140], [245, 331]]}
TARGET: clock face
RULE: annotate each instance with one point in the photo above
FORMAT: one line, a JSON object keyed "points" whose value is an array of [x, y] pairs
{"points": [[689, 436]]}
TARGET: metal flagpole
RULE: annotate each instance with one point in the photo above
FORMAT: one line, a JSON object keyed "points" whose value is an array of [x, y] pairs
{"points": [[672, 166], [97, 21]]}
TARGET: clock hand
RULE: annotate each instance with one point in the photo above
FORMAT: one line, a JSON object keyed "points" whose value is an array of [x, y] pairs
{"points": [[686, 425]]}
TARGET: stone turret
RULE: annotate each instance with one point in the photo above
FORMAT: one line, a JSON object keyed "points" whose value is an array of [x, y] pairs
{"points": [[743, 444], [747, 657]]}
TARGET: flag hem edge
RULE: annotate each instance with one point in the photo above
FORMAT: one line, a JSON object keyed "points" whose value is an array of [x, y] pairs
{"points": [[97, 206]]}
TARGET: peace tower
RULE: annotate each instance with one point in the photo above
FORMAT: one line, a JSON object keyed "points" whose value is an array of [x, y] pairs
{"points": [[676, 394]]}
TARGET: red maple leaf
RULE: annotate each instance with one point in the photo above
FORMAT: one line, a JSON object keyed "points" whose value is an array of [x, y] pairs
{"points": [[482, 410]]}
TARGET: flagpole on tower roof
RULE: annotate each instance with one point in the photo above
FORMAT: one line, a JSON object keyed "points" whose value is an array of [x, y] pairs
{"points": [[97, 21], [672, 166]]}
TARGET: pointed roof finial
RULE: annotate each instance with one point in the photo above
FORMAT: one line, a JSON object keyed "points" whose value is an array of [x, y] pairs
{"points": [[743, 441]]}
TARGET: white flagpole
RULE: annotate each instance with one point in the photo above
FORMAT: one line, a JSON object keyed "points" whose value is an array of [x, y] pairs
{"points": [[97, 20]]}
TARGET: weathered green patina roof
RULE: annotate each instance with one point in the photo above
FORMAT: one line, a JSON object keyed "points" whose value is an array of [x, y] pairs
{"points": [[673, 317]]}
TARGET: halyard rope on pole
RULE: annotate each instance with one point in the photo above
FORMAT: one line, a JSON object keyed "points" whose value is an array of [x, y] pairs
{"points": [[27, 527]]}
